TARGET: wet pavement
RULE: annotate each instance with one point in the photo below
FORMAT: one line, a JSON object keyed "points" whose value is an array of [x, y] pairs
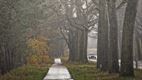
{"points": [[58, 72]]}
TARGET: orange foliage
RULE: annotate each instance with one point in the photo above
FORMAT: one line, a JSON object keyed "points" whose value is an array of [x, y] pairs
{"points": [[38, 45], [39, 50]]}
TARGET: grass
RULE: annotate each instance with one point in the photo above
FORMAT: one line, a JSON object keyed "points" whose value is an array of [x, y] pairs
{"points": [[28, 72], [89, 72], [78, 72]]}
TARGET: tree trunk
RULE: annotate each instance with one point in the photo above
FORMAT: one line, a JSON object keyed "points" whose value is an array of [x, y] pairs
{"points": [[138, 48], [102, 46], [78, 46], [140, 42], [113, 38], [127, 39], [83, 46], [71, 46]]}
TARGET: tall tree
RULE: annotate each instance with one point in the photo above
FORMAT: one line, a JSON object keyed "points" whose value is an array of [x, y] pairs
{"points": [[102, 46], [127, 39], [113, 37], [80, 17]]}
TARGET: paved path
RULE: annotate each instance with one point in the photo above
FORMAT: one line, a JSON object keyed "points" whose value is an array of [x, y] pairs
{"points": [[58, 72]]}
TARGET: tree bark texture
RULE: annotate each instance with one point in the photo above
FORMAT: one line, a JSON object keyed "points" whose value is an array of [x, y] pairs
{"points": [[127, 39]]}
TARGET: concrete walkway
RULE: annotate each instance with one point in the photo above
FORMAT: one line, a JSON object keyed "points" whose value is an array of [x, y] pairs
{"points": [[58, 71]]}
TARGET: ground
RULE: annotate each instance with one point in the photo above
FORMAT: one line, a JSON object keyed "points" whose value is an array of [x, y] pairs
{"points": [[27, 72], [78, 72], [57, 71], [90, 72]]}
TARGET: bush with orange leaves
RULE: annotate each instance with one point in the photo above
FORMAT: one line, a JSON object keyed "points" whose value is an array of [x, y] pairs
{"points": [[39, 51]]}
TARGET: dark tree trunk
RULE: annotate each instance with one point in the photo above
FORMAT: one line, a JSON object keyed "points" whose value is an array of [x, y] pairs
{"points": [[78, 46], [85, 60], [83, 46], [138, 44], [127, 39], [113, 38], [71, 46], [102, 46]]}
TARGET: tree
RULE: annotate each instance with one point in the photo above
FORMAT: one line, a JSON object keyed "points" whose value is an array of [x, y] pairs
{"points": [[113, 38], [19, 21], [102, 46], [9, 40], [78, 20], [127, 39]]}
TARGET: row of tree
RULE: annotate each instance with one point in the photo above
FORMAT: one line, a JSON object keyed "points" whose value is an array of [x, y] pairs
{"points": [[108, 36], [22, 21], [78, 17], [69, 20], [81, 16], [12, 39]]}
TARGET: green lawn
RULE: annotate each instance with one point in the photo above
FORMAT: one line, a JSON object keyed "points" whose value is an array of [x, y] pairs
{"points": [[27, 72], [78, 72], [89, 72]]}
